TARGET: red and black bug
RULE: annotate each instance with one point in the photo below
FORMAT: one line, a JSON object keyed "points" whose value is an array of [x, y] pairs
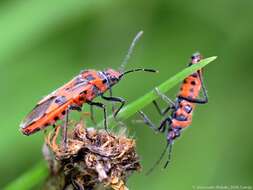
{"points": [[83, 88], [181, 109]]}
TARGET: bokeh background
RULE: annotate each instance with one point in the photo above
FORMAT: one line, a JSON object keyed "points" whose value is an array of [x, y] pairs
{"points": [[45, 43]]}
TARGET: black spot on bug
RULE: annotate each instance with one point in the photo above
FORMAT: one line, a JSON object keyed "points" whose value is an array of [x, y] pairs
{"points": [[46, 124], [104, 81], [193, 83], [56, 118], [81, 98], [63, 112], [36, 130], [192, 90], [185, 81], [181, 88]]}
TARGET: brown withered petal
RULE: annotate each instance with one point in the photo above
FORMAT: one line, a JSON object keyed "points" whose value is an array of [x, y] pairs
{"points": [[92, 159]]}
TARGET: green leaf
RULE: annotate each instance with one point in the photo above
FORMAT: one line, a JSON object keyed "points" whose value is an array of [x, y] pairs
{"points": [[140, 103], [39, 172]]}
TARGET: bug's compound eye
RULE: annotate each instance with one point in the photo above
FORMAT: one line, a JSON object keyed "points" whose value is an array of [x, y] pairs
{"points": [[113, 80], [112, 76]]}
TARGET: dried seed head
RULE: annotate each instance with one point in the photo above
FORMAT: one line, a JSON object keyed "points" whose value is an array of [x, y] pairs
{"points": [[92, 157]]}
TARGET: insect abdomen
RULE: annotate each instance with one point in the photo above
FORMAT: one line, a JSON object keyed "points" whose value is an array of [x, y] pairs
{"points": [[45, 121], [191, 87]]}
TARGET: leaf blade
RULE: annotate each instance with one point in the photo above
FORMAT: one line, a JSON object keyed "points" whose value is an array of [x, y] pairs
{"points": [[140, 103]]}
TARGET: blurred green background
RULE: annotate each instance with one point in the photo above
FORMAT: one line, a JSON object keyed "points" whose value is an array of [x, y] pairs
{"points": [[45, 43]]}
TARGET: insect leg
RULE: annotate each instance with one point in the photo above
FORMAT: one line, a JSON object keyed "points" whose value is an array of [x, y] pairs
{"points": [[101, 105], [171, 103], [115, 99], [159, 160], [205, 99], [163, 123], [113, 105], [169, 155], [147, 121], [164, 97], [162, 112], [194, 100], [64, 129]]}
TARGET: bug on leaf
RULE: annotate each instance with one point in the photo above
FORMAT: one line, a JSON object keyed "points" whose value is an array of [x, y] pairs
{"points": [[181, 110]]}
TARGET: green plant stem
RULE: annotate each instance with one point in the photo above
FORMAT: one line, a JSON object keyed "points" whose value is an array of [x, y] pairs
{"points": [[39, 172], [31, 178]]}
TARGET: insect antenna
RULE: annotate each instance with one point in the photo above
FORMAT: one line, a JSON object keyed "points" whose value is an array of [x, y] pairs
{"points": [[136, 70], [130, 51], [169, 155], [159, 160]]}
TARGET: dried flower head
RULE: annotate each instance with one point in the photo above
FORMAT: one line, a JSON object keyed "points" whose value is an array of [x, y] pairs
{"points": [[91, 159]]}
